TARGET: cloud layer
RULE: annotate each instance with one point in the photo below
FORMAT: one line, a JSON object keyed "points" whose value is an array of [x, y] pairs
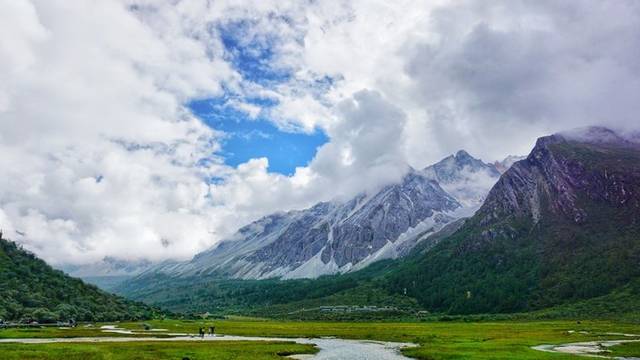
{"points": [[100, 156]]}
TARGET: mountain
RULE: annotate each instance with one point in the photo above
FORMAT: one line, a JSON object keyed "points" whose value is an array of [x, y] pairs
{"points": [[31, 289], [507, 162], [109, 272], [560, 231], [561, 226], [338, 237], [464, 177]]}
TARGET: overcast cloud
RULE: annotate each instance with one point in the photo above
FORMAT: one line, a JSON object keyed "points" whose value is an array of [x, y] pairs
{"points": [[100, 156]]}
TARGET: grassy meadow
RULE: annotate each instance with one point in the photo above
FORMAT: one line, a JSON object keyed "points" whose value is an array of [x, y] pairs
{"points": [[222, 350], [436, 340]]}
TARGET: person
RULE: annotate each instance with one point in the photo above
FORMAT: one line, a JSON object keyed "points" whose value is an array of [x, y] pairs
{"points": [[201, 332], [212, 330]]}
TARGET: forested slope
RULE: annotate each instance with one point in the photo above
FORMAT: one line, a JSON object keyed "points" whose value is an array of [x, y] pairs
{"points": [[32, 290]]}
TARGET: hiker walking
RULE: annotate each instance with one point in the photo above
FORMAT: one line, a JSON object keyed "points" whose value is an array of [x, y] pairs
{"points": [[201, 332], [212, 330]]}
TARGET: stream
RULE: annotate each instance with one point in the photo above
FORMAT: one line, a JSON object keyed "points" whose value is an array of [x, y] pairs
{"points": [[330, 348], [334, 348], [597, 349]]}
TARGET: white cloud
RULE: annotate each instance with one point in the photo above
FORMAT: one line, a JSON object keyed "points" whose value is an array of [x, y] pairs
{"points": [[100, 157], [489, 76]]}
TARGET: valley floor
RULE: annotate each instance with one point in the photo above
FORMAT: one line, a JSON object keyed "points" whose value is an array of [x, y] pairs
{"points": [[435, 340]]}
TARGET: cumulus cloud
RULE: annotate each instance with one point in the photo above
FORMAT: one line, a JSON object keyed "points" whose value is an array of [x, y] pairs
{"points": [[365, 153], [98, 153], [366, 148], [509, 70], [100, 156], [492, 75]]}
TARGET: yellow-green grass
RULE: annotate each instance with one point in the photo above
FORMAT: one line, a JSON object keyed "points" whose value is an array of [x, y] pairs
{"points": [[631, 349], [154, 350], [55, 332], [436, 340]]}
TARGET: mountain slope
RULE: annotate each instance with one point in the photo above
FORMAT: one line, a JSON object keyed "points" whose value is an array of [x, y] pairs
{"points": [[31, 289], [107, 273], [464, 177], [334, 237], [560, 226], [560, 230], [327, 238]]}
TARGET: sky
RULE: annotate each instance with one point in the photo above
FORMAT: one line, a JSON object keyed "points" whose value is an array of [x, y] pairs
{"points": [[149, 129], [247, 138]]}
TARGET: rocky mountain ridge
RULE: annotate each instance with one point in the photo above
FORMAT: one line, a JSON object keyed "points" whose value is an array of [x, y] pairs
{"points": [[337, 237], [559, 226]]}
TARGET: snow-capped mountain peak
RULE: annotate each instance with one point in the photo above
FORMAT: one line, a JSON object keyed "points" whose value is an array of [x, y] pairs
{"points": [[336, 237], [466, 178]]}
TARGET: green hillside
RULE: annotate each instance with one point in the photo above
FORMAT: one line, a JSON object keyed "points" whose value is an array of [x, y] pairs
{"points": [[32, 290], [560, 231], [218, 295], [559, 227]]}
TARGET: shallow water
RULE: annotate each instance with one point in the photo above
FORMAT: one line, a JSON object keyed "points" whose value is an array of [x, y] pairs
{"points": [[588, 348], [330, 348]]}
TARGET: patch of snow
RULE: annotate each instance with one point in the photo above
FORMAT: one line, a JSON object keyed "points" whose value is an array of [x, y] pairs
{"points": [[313, 268]]}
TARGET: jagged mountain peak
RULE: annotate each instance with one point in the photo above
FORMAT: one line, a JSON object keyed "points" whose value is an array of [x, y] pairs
{"points": [[462, 154], [339, 236], [462, 157], [561, 225], [454, 166], [466, 178], [592, 161], [504, 164], [593, 135]]}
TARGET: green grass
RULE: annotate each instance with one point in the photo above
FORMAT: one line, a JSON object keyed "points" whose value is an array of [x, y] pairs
{"points": [[155, 350], [627, 349], [437, 340], [54, 332]]}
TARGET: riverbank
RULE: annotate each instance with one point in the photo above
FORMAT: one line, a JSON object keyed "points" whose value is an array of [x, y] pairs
{"points": [[436, 340], [328, 348]]}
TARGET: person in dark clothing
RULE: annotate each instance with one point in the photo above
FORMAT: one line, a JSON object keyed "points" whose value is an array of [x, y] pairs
{"points": [[201, 332], [212, 330]]}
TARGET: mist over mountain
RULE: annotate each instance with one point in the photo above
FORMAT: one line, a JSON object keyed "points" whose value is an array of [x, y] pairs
{"points": [[559, 228], [109, 272], [507, 162], [338, 237]]}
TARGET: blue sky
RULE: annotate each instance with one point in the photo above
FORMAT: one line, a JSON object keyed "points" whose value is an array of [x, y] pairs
{"points": [[252, 54], [105, 132], [249, 138], [253, 138]]}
